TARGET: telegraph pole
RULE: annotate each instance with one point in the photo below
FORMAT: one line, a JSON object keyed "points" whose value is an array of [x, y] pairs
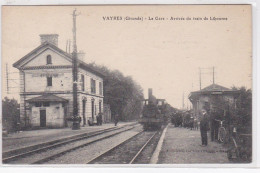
{"points": [[69, 46], [76, 124], [213, 75], [200, 77], [183, 100], [7, 85], [67, 42]]}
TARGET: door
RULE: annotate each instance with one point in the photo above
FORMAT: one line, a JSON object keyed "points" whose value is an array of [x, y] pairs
{"points": [[43, 118]]}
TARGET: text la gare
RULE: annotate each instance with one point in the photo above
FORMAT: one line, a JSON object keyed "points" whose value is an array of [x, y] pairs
{"points": [[156, 18]]}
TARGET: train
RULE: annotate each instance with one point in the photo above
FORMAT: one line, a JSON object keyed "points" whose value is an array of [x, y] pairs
{"points": [[154, 114]]}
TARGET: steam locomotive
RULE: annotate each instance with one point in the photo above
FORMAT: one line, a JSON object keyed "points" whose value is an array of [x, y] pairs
{"points": [[154, 113]]}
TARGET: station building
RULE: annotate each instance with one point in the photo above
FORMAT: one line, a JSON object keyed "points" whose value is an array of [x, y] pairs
{"points": [[46, 87], [211, 97]]}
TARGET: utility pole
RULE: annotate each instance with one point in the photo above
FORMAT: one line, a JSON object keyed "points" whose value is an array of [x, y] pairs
{"points": [[7, 85], [76, 123], [183, 100], [200, 77], [69, 46], [213, 75], [67, 42]]}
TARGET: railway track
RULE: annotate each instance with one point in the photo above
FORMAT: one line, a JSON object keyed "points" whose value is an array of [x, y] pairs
{"points": [[71, 144], [130, 151]]}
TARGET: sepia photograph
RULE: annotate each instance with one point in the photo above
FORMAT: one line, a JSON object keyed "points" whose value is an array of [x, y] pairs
{"points": [[127, 84]]}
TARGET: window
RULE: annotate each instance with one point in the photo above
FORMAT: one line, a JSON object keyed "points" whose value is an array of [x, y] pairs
{"points": [[49, 59], [100, 88], [49, 81], [38, 104], [46, 104], [83, 82], [93, 86]]}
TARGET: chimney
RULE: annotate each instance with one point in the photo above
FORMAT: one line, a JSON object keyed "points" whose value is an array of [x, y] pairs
{"points": [[81, 55], [51, 38], [150, 93]]}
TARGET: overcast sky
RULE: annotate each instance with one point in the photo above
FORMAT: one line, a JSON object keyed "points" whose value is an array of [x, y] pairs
{"points": [[163, 55]]}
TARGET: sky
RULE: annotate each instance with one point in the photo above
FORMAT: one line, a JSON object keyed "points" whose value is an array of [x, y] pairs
{"points": [[161, 54]]}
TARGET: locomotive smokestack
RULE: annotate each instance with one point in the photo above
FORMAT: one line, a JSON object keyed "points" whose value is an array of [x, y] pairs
{"points": [[150, 93]]}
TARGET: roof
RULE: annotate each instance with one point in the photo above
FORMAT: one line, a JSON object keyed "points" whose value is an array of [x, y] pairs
{"points": [[47, 98], [212, 89], [215, 87], [47, 44]]}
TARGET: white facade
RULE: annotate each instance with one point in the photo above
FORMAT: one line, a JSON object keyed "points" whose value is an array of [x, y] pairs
{"points": [[46, 87]]}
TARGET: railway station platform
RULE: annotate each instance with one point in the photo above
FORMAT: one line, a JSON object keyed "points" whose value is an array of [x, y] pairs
{"points": [[33, 137], [183, 146]]}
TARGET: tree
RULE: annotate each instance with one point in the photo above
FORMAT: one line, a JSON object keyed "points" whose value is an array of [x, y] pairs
{"points": [[122, 93], [243, 110], [10, 114]]}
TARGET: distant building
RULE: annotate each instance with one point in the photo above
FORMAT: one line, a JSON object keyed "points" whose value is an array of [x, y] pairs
{"points": [[46, 87], [211, 96]]}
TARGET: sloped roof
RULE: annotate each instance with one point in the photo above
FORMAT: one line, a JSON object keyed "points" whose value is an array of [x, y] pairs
{"points": [[212, 89], [47, 98], [47, 44], [215, 87]]}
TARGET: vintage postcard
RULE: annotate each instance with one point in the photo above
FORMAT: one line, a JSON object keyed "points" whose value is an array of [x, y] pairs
{"points": [[127, 84]]}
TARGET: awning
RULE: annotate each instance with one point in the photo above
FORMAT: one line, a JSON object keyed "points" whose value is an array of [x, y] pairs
{"points": [[47, 98]]}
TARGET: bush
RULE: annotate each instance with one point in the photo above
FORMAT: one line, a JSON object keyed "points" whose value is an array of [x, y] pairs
{"points": [[10, 114]]}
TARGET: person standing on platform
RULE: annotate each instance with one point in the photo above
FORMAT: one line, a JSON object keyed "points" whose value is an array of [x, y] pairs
{"points": [[196, 125], [116, 119], [191, 122], [97, 119], [204, 127], [101, 118]]}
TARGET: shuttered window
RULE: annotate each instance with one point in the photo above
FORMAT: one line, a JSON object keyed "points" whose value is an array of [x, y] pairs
{"points": [[100, 88], [49, 81], [93, 86]]}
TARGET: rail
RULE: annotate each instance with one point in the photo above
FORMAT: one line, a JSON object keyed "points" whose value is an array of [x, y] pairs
{"points": [[56, 143]]}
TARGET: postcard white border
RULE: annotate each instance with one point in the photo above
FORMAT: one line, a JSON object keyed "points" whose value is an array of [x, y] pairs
{"points": [[256, 71]]}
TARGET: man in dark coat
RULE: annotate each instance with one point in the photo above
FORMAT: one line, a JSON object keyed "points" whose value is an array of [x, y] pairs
{"points": [[214, 121], [191, 122], [116, 119], [204, 127]]}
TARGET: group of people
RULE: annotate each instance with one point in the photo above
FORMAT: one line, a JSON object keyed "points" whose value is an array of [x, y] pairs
{"points": [[205, 123], [186, 120], [176, 119], [191, 123], [100, 119]]}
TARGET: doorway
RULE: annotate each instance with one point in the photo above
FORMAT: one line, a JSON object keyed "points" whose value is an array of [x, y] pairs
{"points": [[43, 118]]}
